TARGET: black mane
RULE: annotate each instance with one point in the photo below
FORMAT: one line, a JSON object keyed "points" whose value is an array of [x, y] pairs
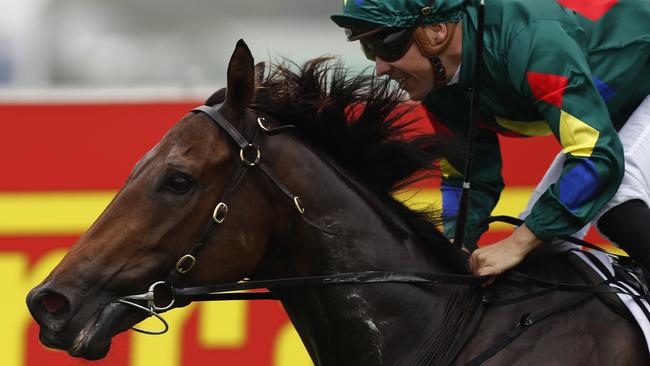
{"points": [[361, 122]]}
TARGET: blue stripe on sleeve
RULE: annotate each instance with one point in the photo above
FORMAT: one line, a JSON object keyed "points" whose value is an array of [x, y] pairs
{"points": [[578, 185], [450, 199]]}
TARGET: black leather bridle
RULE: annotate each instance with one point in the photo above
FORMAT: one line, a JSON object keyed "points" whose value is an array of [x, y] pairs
{"points": [[162, 295], [250, 157]]}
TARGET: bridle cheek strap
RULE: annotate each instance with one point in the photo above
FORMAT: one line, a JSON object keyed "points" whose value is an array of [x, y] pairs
{"points": [[250, 157]]}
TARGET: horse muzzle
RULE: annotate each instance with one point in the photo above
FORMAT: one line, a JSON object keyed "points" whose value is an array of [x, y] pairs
{"points": [[83, 331]]}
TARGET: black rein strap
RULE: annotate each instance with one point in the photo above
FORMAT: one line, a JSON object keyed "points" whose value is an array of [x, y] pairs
{"points": [[215, 292]]}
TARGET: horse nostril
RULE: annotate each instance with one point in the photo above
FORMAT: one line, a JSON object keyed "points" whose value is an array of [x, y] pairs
{"points": [[51, 309], [55, 304]]}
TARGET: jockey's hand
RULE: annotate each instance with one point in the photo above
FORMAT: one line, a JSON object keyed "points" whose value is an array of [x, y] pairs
{"points": [[503, 255]]}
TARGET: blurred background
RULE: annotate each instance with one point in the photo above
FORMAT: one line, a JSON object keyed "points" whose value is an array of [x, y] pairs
{"points": [[86, 88], [156, 44]]}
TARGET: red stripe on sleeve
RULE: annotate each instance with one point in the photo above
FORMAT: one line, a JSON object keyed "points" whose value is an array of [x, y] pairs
{"points": [[547, 87]]}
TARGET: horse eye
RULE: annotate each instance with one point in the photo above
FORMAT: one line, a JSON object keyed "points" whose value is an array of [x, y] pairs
{"points": [[179, 183]]}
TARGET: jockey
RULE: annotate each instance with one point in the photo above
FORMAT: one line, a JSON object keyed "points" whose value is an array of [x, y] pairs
{"points": [[578, 70]]}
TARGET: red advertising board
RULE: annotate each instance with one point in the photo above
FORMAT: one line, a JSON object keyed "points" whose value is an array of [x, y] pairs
{"points": [[61, 165]]}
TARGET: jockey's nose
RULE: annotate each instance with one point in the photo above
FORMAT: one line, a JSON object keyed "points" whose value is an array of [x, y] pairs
{"points": [[381, 67], [49, 307]]}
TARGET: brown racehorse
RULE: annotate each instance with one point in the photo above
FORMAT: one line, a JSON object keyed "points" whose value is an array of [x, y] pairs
{"points": [[344, 173]]}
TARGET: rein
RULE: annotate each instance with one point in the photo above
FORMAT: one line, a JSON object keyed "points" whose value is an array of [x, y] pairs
{"points": [[162, 295]]}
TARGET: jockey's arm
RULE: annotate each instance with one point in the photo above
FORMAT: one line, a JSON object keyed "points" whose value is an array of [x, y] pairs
{"points": [[554, 74]]}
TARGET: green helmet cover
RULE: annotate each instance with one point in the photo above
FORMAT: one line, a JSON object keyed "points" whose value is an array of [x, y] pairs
{"points": [[396, 13]]}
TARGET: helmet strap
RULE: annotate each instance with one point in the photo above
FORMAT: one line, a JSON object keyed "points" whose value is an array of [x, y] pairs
{"points": [[431, 47], [439, 72]]}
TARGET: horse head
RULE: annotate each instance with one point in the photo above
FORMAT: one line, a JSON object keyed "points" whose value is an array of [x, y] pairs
{"points": [[158, 215]]}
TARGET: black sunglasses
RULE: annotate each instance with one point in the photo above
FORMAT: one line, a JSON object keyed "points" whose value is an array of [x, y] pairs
{"points": [[389, 44]]}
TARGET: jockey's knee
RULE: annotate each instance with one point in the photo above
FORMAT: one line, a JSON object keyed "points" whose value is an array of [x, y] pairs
{"points": [[628, 225]]}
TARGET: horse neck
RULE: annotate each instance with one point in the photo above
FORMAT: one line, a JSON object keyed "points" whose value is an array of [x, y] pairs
{"points": [[358, 324], [371, 324]]}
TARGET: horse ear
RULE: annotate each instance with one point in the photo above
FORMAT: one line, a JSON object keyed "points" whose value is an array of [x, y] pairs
{"points": [[241, 78], [259, 72]]}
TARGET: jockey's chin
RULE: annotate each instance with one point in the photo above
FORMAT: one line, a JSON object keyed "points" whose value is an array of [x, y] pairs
{"points": [[416, 87], [416, 94]]}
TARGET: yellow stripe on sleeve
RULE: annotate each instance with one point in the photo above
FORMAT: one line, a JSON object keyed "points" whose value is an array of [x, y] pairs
{"points": [[577, 138], [532, 128]]}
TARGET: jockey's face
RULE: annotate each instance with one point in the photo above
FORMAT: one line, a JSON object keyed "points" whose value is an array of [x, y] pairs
{"points": [[413, 72]]}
